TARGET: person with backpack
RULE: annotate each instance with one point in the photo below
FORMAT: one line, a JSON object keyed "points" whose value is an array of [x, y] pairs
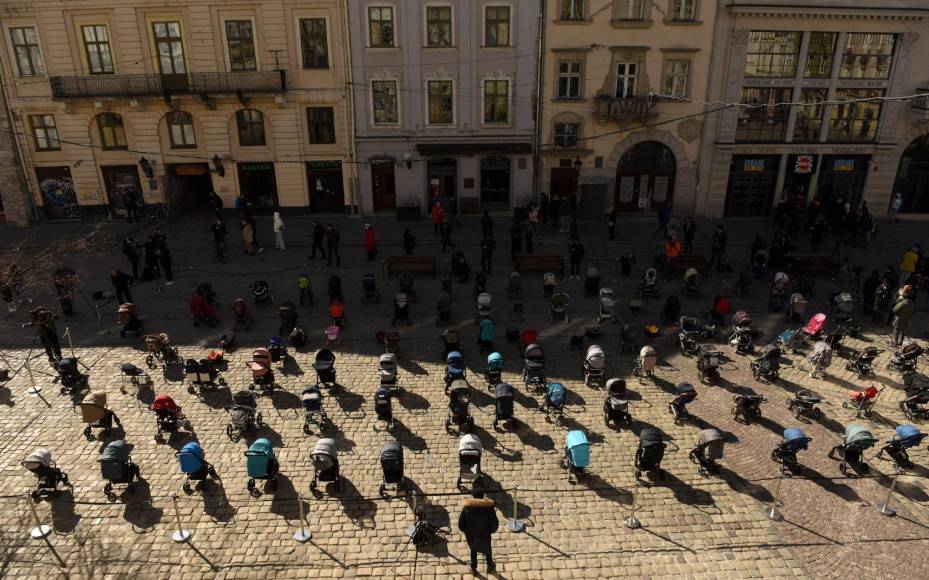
{"points": [[332, 244], [478, 521], [319, 233]]}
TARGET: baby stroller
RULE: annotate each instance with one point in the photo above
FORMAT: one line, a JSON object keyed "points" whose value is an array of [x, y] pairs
{"points": [[820, 359], [684, 393], [862, 401], [451, 339], [594, 366], [127, 316], [721, 307], [742, 333], [324, 365], [369, 293], [262, 375], [387, 371], [95, 414], [40, 463], [261, 293], [708, 451], [277, 349], [288, 315], [649, 454], [469, 459], [747, 406], [383, 408], [261, 464], [202, 375], [534, 367], [591, 282], [906, 437], [312, 401], [243, 320], [797, 307], [480, 284], [485, 307], [337, 312], [514, 286], [335, 288], [788, 340], [554, 399], [916, 389], [863, 362], [616, 406], [503, 404], [459, 401], [494, 369], [558, 310], [528, 337], [159, 350], [70, 376], [391, 458], [814, 328], [192, 464], [576, 454], [607, 312], [406, 281], [906, 359], [645, 363], [325, 459], [649, 284], [460, 268], [203, 312], [333, 335], [708, 362], [692, 330], [767, 364], [168, 417], [242, 415], [306, 290], [804, 403], [444, 308], [692, 283], [134, 375], [390, 339], [851, 451], [454, 368], [401, 310], [785, 454], [548, 285], [628, 340], [843, 310], [779, 291], [117, 468]]}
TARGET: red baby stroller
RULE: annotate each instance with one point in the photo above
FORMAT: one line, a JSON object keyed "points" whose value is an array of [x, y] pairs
{"points": [[242, 317], [814, 327], [202, 311], [862, 401], [169, 417]]}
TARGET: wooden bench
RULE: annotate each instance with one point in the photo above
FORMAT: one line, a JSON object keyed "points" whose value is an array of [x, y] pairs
{"points": [[813, 263], [415, 264], [685, 261], [540, 263]]}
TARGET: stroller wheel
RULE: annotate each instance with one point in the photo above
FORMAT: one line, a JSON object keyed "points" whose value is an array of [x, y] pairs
{"points": [[258, 420], [229, 431], [306, 428], [187, 488], [382, 490], [191, 389], [790, 404], [817, 413], [843, 467], [88, 433], [313, 485]]}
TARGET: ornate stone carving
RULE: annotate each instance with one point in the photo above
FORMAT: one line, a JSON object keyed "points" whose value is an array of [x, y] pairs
{"points": [[689, 130]]}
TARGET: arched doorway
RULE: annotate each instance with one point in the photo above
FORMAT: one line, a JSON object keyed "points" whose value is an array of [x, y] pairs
{"points": [[645, 178], [913, 176]]}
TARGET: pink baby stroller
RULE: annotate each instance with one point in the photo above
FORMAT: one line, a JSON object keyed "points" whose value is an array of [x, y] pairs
{"points": [[333, 335], [814, 328]]}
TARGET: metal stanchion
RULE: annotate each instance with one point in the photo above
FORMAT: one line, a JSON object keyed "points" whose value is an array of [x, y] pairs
{"points": [[884, 508], [515, 524], [633, 522], [33, 389], [103, 330], [40, 530], [302, 534], [67, 335], [180, 535], [772, 512]]}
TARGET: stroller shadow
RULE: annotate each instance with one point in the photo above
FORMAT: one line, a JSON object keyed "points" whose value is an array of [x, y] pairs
{"points": [[689, 495], [604, 489], [283, 400], [491, 445], [285, 498], [413, 401], [571, 424], [481, 398], [64, 518], [408, 439], [528, 436], [216, 504], [178, 439], [832, 425], [664, 385], [139, 510], [832, 485], [173, 372], [343, 443], [412, 367], [359, 509], [738, 484], [348, 401], [6, 397], [267, 432], [145, 393], [217, 399], [291, 368], [504, 499], [882, 420], [732, 387], [770, 425]]}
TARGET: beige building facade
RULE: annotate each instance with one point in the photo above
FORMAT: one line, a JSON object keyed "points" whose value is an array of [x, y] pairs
{"points": [[116, 102]]}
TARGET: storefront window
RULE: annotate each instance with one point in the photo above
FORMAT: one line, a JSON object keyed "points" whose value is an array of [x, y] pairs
{"points": [[763, 119], [855, 120], [867, 56], [772, 54]]}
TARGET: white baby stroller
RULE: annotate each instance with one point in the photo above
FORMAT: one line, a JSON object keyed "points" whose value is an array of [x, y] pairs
{"points": [[312, 401], [692, 283], [820, 359], [485, 307], [594, 366], [779, 291], [645, 363], [649, 285], [469, 459], [325, 459], [607, 311], [387, 371], [548, 285], [797, 308]]}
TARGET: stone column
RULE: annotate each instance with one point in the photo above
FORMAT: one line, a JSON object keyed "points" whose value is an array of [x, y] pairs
{"points": [[733, 88]]}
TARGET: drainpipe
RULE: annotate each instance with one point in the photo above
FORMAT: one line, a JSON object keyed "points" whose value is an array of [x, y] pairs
{"points": [[540, 86], [353, 157], [19, 159]]}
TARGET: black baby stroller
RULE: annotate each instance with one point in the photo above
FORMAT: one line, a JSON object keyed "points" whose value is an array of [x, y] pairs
{"points": [[459, 401], [804, 403], [684, 393], [407, 281], [460, 268], [313, 413], [905, 437], [261, 293], [514, 286], [747, 406], [863, 362], [767, 365], [851, 451], [444, 308], [469, 459], [843, 311], [742, 333], [401, 310], [905, 360], [383, 409], [649, 454], [391, 458], [480, 284], [594, 366], [708, 451], [692, 283], [117, 468], [335, 289], [96, 415], [607, 303], [503, 404], [325, 459], [202, 375], [40, 463], [324, 365], [127, 316], [369, 292], [649, 284], [288, 315], [591, 282], [916, 389], [451, 339], [242, 415], [616, 406], [785, 453], [691, 331], [558, 308], [135, 376], [534, 367], [708, 362], [70, 376]]}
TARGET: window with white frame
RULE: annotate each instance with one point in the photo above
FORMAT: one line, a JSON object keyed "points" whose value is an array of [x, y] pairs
{"points": [[381, 26], [569, 79], [181, 130], [676, 76], [496, 102], [438, 26], [384, 102], [496, 26], [97, 49], [572, 10], [25, 41], [626, 76], [45, 132], [566, 135], [314, 42], [630, 10], [683, 10], [240, 41], [441, 106]]}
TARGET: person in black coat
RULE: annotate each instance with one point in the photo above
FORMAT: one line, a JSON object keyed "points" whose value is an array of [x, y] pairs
{"points": [[409, 242], [516, 240], [487, 225], [478, 522], [869, 290], [150, 251], [487, 253], [164, 259], [318, 234], [576, 251], [121, 284]]}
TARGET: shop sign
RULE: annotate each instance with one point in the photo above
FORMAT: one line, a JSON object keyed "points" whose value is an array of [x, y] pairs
{"points": [[324, 164], [843, 165], [750, 165], [803, 164]]}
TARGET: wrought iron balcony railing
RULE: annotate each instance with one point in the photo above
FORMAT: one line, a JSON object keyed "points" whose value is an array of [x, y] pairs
{"points": [[142, 85]]}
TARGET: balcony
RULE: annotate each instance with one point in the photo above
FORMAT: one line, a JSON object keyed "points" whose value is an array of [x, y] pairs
{"points": [[624, 109], [146, 85], [922, 103]]}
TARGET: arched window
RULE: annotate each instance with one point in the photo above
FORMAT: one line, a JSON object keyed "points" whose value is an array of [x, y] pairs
{"points": [[181, 129], [112, 131], [251, 126]]}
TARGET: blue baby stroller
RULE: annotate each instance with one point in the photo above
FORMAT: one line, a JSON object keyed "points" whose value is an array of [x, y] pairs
{"points": [[650, 452], [261, 464], [684, 393], [312, 401], [325, 458], [494, 369], [117, 468], [277, 348], [857, 439], [785, 453], [576, 454], [486, 336], [788, 340], [554, 399], [383, 408], [454, 368], [906, 437], [194, 466], [503, 404]]}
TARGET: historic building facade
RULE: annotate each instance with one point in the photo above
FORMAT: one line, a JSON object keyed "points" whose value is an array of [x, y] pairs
{"points": [[443, 102], [813, 77], [119, 102]]}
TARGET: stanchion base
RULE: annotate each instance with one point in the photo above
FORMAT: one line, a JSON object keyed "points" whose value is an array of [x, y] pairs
{"points": [[633, 523], [885, 510], [515, 525], [181, 536], [40, 532], [302, 535], [773, 514], [34, 390]]}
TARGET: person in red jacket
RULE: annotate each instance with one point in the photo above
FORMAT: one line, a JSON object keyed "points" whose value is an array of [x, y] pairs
{"points": [[370, 244], [438, 213]]}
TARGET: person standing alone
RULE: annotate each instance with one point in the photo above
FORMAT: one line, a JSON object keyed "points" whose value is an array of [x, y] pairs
{"points": [[370, 243], [332, 244], [576, 251], [278, 225], [478, 521]]}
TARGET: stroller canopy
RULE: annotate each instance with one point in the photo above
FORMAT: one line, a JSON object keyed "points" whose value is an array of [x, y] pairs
{"points": [[368, 282], [484, 300], [454, 359], [578, 448], [559, 301], [469, 444], [117, 451], [244, 399], [495, 361], [845, 301], [823, 351], [651, 276], [647, 352], [459, 388], [712, 440], [795, 439], [616, 387], [190, 457], [535, 353], [685, 390], [504, 391], [741, 318], [387, 361], [858, 436], [261, 446], [691, 275], [324, 359], [592, 272], [595, 356], [554, 394], [392, 456], [311, 398], [40, 457], [770, 351], [650, 438], [709, 436], [606, 294], [164, 403], [487, 330], [548, 279], [326, 446]]}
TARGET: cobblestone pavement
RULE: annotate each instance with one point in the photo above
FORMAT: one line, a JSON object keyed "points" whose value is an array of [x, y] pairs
{"points": [[692, 526]]}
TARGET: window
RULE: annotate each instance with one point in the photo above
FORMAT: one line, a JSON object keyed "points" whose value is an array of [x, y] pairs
{"points": [[572, 9], [683, 10], [314, 43], [496, 101], [820, 55], [112, 131], [45, 132], [855, 121], [772, 54], [384, 102], [625, 79], [809, 118], [240, 38], [569, 79], [867, 56], [170, 47], [438, 26], [676, 76], [630, 10], [322, 125], [26, 48], [441, 102], [97, 49], [181, 129], [764, 121], [381, 26], [496, 26], [566, 135], [251, 124]]}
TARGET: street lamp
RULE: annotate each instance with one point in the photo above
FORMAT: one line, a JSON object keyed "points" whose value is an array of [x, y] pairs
{"points": [[578, 164], [409, 160], [218, 166], [146, 166]]}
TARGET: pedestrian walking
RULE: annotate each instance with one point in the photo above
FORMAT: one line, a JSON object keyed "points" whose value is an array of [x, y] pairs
{"points": [[487, 225], [438, 214], [248, 238], [246, 216], [690, 232], [544, 208], [718, 245], [611, 223], [516, 240], [132, 254], [672, 228], [626, 261], [865, 226], [217, 203], [278, 226], [219, 238], [121, 283], [664, 216], [555, 209], [43, 320], [564, 212], [446, 231], [895, 203], [902, 313], [370, 243], [528, 235], [532, 215], [881, 312], [409, 242], [150, 251], [164, 260], [319, 232], [869, 290], [576, 252], [332, 245], [478, 521], [908, 265], [487, 253]]}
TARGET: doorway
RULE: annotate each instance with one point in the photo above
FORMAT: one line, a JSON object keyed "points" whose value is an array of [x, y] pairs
{"points": [[799, 175], [563, 181], [645, 178], [258, 183], [842, 176], [913, 176], [383, 187], [122, 182], [327, 193], [752, 181], [495, 183], [441, 182]]}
